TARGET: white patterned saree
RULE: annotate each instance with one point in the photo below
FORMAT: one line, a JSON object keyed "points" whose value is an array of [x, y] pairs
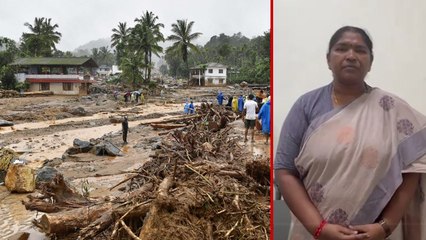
{"points": [[352, 159]]}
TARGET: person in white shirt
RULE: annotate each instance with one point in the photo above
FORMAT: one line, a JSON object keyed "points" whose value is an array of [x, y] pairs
{"points": [[249, 116]]}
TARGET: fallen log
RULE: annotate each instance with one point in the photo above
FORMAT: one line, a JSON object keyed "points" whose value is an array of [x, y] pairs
{"points": [[174, 119], [166, 126], [69, 221], [38, 93], [108, 218]]}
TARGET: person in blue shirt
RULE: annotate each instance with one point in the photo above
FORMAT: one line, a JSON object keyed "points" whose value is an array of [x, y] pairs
{"points": [[265, 118], [186, 108], [240, 104], [220, 98], [191, 108]]}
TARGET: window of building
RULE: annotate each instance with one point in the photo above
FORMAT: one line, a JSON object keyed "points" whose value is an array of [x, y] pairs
{"points": [[45, 70], [221, 81], [210, 70], [72, 70], [57, 70], [210, 80], [44, 86], [67, 86], [220, 70]]}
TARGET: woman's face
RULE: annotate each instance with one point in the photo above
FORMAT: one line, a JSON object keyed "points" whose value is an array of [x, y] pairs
{"points": [[349, 59]]}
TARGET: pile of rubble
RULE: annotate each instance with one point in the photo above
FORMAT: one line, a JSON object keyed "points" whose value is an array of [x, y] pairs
{"points": [[199, 184], [8, 93]]}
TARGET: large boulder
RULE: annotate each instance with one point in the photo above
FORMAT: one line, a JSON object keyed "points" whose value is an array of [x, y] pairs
{"points": [[107, 148], [6, 157], [79, 111], [79, 146], [20, 178], [46, 174]]}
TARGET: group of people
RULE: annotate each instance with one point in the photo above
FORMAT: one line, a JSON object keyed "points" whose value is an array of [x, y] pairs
{"points": [[130, 96], [189, 107], [249, 117], [252, 109]]}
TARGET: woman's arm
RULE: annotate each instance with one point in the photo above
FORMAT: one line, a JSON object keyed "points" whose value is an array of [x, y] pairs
{"points": [[297, 199], [394, 210]]}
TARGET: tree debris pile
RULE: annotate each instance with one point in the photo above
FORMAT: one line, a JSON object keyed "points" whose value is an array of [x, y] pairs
{"points": [[195, 186], [8, 93]]}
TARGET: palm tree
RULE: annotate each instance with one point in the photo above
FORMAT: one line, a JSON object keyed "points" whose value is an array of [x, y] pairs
{"points": [[183, 37], [119, 39], [146, 37], [42, 39], [120, 34]]}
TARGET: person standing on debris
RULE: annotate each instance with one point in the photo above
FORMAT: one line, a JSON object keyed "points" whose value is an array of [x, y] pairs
{"points": [[265, 117], [127, 96], [116, 93], [125, 129], [234, 104], [229, 104], [220, 98], [191, 108], [249, 116], [240, 104], [186, 108]]}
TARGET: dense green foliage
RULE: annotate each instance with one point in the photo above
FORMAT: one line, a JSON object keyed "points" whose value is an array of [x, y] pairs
{"points": [[247, 59], [7, 54], [133, 48]]}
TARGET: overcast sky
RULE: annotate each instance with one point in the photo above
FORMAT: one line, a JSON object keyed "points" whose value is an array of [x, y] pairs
{"points": [[81, 21]]}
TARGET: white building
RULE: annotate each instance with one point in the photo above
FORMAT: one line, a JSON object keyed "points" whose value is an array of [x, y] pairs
{"points": [[104, 71], [209, 74]]}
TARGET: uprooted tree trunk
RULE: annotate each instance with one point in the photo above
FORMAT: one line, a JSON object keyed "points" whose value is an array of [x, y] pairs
{"points": [[55, 196], [149, 227], [69, 221]]}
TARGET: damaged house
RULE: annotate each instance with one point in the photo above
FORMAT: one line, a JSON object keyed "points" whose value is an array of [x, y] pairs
{"points": [[63, 76], [210, 74]]}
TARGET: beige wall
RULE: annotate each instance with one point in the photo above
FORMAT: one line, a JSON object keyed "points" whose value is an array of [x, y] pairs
{"points": [[302, 29], [57, 88]]}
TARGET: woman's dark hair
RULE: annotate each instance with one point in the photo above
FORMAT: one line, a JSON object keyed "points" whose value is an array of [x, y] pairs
{"points": [[339, 33]]}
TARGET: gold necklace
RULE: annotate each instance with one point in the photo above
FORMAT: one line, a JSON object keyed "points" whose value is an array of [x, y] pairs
{"points": [[336, 100]]}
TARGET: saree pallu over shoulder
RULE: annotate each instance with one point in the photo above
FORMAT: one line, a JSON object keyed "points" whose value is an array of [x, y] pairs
{"points": [[352, 158]]}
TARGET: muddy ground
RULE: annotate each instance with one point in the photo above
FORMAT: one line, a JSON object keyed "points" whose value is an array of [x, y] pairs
{"points": [[45, 127]]}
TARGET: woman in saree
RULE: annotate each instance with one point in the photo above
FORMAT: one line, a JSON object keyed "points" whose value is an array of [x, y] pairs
{"points": [[350, 157]]}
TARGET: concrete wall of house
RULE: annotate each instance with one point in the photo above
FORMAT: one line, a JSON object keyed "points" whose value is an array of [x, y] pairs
{"points": [[56, 88], [215, 78]]}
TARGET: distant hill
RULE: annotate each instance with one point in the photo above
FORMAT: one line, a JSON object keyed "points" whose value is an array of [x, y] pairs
{"points": [[85, 49]]}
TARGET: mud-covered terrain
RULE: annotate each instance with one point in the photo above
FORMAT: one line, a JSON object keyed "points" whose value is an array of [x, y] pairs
{"points": [[46, 127]]}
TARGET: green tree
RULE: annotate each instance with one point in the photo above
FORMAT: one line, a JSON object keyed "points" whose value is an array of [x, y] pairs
{"points": [[163, 69], [183, 38], [130, 65], [8, 51], [119, 40], [7, 77], [145, 38], [42, 40]]}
